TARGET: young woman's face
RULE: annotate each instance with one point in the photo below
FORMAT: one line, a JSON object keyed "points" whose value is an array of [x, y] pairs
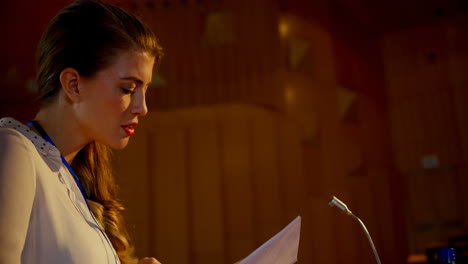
{"points": [[114, 98]]}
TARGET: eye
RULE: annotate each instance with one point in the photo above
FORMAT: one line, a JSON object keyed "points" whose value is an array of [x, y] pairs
{"points": [[127, 91]]}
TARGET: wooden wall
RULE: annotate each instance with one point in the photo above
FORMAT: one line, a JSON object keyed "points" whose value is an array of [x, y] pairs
{"points": [[216, 52], [425, 70], [23, 26], [210, 184], [347, 140], [327, 136]]}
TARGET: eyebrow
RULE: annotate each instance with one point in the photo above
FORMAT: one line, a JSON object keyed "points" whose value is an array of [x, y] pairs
{"points": [[131, 78]]}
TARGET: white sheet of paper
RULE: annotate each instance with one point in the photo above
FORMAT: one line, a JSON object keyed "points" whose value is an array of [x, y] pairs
{"points": [[280, 249]]}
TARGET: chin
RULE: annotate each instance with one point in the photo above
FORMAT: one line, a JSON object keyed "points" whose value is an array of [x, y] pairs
{"points": [[123, 143], [120, 144]]}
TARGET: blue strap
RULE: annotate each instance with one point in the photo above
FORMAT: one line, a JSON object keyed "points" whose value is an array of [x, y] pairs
{"points": [[41, 131]]}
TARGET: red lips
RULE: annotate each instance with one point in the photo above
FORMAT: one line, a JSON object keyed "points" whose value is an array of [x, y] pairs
{"points": [[129, 129]]}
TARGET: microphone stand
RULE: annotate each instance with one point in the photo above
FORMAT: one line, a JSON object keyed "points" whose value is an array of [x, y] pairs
{"points": [[335, 202]]}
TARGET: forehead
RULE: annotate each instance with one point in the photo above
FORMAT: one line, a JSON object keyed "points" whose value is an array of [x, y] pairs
{"points": [[131, 64]]}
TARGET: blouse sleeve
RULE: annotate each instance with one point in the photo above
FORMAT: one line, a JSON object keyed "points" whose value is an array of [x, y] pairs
{"points": [[17, 191]]}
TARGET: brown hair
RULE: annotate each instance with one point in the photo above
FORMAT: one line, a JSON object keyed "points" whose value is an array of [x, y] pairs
{"points": [[87, 35]]}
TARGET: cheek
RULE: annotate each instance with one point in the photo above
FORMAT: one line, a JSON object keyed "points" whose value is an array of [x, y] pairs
{"points": [[105, 102], [123, 103], [113, 107], [115, 102]]}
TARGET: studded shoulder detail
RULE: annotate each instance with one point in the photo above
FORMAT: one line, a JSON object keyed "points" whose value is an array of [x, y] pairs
{"points": [[44, 147]]}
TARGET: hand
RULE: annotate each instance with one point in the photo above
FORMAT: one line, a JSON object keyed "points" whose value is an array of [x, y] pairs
{"points": [[148, 261]]}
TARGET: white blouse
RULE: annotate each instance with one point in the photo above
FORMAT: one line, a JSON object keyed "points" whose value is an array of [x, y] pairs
{"points": [[43, 215]]}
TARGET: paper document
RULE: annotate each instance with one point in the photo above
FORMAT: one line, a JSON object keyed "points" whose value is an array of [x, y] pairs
{"points": [[280, 249]]}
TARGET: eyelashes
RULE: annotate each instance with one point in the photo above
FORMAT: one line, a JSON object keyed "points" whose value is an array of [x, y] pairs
{"points": [[127, 91]]}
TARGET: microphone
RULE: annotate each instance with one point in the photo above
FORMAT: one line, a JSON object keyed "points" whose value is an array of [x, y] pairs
{"points": [[335, 202]]}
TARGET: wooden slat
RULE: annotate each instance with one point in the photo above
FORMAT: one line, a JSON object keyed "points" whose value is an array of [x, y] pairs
{"points": [[170, 201], [135, 192], [386, 218], [291, 168], [425, 110], [200, 72], [235, 150], [421, 109], [319, 232], [265, 176], [205, 194], [458, 63]]}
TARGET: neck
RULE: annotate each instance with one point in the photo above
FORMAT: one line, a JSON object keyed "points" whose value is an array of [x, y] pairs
{"points": [[63, 130]]}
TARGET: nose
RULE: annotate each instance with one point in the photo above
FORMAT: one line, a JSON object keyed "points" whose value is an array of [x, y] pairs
{"points": [[139, 103]]}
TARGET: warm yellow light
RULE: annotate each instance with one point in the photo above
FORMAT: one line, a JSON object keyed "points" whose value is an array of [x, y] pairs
{"points": [[284, 28], [289, 95]]}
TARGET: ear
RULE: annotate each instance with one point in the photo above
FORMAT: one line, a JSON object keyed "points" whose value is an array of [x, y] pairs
{"points": [[69, 79]]}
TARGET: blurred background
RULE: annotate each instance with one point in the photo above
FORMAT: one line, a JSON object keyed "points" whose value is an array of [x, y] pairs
{"points": [[263, 109]]}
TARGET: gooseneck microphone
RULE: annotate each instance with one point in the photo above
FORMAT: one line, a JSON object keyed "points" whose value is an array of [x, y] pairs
{"points": [[335, 202]]}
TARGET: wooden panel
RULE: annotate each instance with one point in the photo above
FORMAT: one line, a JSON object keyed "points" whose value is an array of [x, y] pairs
{"points": [[170, 201], [242, 169], [361, 204], [434, 211], [458, 63], [293, 188], [319, 233], [352, 148], [205, 193], [132, 173], [426, 110], [235, 148], [387, 194], [385, 217], [199, 71], [420, 97], [266, 176], [333, 173]]}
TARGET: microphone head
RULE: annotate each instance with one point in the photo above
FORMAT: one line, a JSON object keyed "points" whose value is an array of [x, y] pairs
{"points": [[335, 202]]}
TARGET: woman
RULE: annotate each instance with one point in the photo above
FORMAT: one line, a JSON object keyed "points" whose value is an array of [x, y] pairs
{"points": [[95, 62]]}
